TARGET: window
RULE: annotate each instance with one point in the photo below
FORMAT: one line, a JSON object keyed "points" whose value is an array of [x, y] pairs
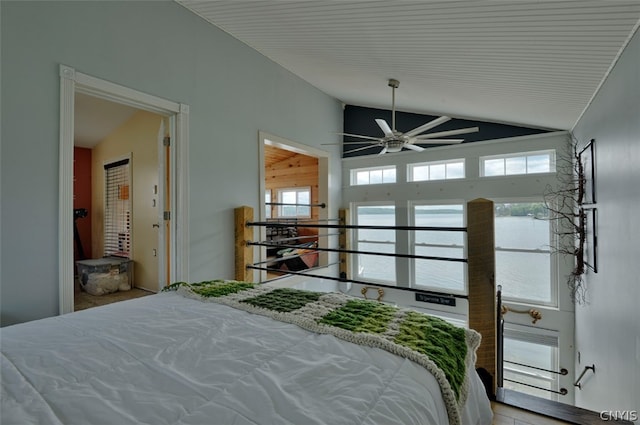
{"points": [[523, 256], [267, 201], [297, 202], [519, 163], [117, 214], [375, 267], [376, 175], [440, 170], [529, 359], [437, 274]]}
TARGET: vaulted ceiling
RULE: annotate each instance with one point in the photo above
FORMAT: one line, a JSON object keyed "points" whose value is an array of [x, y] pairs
{"points": [[525, 62]]}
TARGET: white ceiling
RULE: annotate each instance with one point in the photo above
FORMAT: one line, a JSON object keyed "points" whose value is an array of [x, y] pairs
{"points": [[95, 119], [534, 63]]}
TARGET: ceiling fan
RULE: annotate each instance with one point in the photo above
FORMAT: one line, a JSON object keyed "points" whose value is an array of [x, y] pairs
{"points": [[395, 141]]}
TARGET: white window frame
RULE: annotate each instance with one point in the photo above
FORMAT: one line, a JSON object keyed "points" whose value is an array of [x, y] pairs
{"points": [[545, 337], [297, 190], [356, 242], [525, 156], [412, 246], [555, 322], [411, 170], [355, 171], [553, 258]]}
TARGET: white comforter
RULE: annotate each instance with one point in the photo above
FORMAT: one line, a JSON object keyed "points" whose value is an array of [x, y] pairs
{"points": [[165, 359]]}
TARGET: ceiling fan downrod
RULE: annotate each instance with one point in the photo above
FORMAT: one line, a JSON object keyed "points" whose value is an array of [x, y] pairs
{"points": [[394, 84]]}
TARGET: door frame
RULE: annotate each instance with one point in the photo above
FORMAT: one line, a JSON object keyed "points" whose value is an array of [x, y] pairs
{"points": [[264, 138], [72, 82]]}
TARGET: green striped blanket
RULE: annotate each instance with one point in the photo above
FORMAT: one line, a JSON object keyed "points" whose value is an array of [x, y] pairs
{"points": [[443, 349]]}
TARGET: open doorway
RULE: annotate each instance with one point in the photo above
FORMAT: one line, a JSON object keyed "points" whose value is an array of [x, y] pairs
{"points": [[116, 156], [294, 185], [152, 140]]}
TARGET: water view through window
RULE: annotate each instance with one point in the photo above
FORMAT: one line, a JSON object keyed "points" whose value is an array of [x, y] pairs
{"points": [[522, 237], [442, 275], [376, 266], [523, 256]]}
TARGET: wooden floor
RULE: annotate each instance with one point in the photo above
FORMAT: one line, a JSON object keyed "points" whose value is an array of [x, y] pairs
{"points": [[516, 408], [83, 300], [507, 415]]}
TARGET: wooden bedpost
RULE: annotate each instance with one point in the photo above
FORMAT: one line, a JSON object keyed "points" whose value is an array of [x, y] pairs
{"points": [[482, 288], [343, 242], [244, 253]]}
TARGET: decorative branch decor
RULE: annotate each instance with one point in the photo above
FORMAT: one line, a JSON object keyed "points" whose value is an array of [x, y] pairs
{"points": [[567, 202], [591, 238]]}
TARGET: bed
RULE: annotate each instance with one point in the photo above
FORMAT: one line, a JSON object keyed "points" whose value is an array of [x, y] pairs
{"points": [[179, 357]]}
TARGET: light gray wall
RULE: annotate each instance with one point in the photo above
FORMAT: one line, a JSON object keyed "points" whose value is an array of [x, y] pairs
{"points": [[608, 326], [162, 49]]}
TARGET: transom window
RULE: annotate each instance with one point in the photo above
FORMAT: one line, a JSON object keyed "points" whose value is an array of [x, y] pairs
{"points": [[296, 202], [437, 170], [518, 163], [373, 175]]}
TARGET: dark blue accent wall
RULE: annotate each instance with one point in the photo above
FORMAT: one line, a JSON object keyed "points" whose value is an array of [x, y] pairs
{"points": [[361, 120]]}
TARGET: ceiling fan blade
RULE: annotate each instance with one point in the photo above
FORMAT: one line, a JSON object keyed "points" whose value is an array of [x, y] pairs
{"points": [[383, 151], [413, 147], [359, 149], [385, 127], [427, 126], [377, 139], [438, 141], [448, 133]]}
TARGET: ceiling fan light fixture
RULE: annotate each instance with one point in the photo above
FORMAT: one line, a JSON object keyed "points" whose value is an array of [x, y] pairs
{"points": [[395, 141], [394, 149]]}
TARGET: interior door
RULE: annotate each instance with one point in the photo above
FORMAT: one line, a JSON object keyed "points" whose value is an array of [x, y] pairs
{"points": [[162, 194]]}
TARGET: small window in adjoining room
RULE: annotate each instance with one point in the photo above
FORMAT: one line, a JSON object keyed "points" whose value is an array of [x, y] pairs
{"points": [[297, 202], [373, 175], [437, 170], [267, 202], [518, 163], [117, 209]]}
